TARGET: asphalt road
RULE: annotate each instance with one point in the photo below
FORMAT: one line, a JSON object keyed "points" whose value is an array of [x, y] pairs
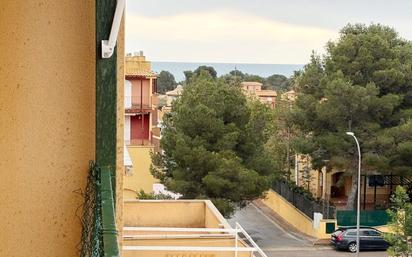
{"points": [[278, 241]]}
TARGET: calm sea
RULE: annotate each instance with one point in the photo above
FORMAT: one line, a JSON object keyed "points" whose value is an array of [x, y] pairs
{"points": [[264, 70]]}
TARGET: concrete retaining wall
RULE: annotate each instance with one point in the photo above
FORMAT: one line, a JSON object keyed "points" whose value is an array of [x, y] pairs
{"points": [[295, 217]]}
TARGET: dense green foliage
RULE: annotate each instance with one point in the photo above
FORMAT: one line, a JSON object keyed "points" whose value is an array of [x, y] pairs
{"points": [[245, 76], [213, 145], [235, 77], [188, 75], [212, 72], [364, 85], [400, 225], [274, 82], [165, 82], [209, 69], [277, 82], [279, 144]]}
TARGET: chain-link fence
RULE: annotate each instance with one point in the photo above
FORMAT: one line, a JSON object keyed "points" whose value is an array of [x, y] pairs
{"points": [[304, 203], [92, 237]]}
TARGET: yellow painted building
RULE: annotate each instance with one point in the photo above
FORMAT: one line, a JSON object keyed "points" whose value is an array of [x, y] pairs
{"points": [[336, 185], [141, 179], [48, 71], [141, 134]]}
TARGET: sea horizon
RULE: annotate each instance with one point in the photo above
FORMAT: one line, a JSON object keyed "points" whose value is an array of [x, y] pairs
{"points": [[261, 69]]}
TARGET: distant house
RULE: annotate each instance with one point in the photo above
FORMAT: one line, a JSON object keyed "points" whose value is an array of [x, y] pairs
{"points": [[168, 98], [140, 100], [254, 89], [141, 134], [335, 185], [172, 95], [289, 96]]}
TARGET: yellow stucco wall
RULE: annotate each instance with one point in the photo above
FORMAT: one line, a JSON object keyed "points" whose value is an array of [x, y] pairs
{"points": [[47, 123], [229, 242], [182, 253], [169, 254], [172, 213], [141, 179], [315, 185], [382, 193], [175, 214], [295, 217], [201, 242], [137, 64], [164, 214], [120, 129], [213, 218]]}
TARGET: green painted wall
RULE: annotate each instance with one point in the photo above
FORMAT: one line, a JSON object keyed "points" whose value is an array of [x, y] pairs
{"points": [[106, 124]]}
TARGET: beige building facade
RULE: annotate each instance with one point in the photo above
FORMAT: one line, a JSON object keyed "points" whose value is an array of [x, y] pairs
{"points": [[254, 90], [335, 185]]}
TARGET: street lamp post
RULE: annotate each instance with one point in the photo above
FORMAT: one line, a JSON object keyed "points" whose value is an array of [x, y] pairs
{"points": [[358, 200]]}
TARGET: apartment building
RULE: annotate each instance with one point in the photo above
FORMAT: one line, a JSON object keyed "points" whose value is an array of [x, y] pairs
{"points": [[141, 132]]}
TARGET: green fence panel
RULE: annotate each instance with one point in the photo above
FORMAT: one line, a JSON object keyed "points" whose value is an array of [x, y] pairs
{"points": [[330, 227], [367, 218], [302, 201], [99, 234], [109, 231]]}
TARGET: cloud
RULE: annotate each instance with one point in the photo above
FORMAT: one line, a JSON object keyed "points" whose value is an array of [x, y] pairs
{"points": [[223, 36]]}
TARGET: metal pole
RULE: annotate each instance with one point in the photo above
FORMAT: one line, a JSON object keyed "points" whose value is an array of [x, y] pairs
{"points": [[364, 192], [358, 200], [374, 195], [236, 239], [296, 170]]}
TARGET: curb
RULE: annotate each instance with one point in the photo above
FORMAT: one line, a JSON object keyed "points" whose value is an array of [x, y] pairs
{"points": [[322, 242]]}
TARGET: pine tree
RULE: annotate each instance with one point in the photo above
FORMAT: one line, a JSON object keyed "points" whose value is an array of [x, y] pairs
{"points": [[213, 144], [362, 84]]}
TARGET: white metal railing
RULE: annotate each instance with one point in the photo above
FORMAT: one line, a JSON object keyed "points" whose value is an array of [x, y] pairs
{"points": [[238, 234], [131, 101], [169, 229], [243, 231]]}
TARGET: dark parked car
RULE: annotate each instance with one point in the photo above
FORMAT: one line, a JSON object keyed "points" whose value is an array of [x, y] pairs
{"points": [[370, 239]]}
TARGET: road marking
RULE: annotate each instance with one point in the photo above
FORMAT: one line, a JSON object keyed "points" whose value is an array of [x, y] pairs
{"points": [[278, 226]]}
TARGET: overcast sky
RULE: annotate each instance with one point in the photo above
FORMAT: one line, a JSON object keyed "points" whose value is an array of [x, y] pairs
{"points": [[251, 31]]}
